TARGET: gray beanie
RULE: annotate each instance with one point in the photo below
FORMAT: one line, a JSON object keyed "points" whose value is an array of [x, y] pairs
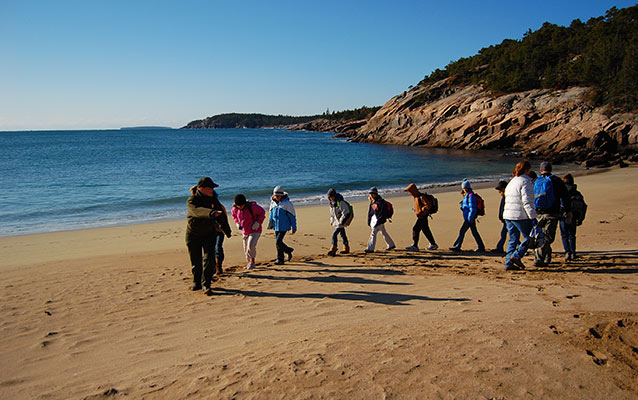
{"points": [[466, 184], [373, 190]]}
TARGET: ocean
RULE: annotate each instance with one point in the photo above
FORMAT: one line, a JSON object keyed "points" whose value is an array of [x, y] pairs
{"points": [[66, 180]]}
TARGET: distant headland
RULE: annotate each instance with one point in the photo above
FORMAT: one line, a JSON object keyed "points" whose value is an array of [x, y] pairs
{"points": [[141, 128]]}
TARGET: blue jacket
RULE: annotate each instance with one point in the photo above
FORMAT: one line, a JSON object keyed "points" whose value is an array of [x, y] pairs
{"points": [[469, 205], [282, 215]]}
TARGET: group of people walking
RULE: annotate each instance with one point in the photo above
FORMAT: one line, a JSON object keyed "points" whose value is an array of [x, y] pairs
{"points": [[531, 209]]}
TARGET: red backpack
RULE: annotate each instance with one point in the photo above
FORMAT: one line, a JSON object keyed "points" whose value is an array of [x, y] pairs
{"points": [[389, 209], [480, 205]]}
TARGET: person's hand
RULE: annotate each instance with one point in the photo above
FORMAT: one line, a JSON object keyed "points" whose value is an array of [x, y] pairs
{"points": [[293, 231], [218, 213], [255, 225]]}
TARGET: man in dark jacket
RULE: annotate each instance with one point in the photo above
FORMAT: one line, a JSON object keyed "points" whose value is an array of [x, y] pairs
{"points": [[205, 220], [548, 217]]}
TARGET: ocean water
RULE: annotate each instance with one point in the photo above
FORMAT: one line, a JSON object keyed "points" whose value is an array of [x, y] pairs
{"points": [[63, 180]]}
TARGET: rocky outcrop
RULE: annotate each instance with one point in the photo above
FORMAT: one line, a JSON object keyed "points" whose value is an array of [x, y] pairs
{"points": [[346, 128], [546, 123]]}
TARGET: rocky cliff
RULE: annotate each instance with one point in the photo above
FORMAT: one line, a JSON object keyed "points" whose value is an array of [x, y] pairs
{"points": [[559, 125]]}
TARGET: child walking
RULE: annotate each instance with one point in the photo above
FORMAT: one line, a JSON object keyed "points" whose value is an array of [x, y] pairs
{"points": [[282, 219], [377, 217], [249, 217], [423, 204], [469, 206], [340, 216]]}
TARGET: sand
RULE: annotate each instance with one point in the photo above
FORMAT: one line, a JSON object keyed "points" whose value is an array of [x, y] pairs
{"points": [[105, 313]]}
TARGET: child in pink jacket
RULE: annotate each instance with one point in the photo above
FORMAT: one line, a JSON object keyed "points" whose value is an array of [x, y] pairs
{"points": [[249, 217]]}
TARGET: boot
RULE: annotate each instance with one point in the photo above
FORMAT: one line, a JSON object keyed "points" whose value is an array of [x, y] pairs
{"points": [[346, 249], [218, 266], [333, 251]]}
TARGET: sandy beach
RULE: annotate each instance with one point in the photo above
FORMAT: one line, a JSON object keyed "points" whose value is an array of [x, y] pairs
{"points": [[106, 313]]}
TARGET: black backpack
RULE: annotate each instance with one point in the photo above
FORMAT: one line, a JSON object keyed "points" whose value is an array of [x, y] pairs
{"points": [[579, 207]]}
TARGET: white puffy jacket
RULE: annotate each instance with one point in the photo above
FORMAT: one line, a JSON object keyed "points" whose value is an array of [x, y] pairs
{"points": [[519, 199]]}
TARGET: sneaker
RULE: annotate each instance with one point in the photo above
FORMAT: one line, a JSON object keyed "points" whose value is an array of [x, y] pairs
{"points": [[279, 262], [250, 266], [517, 262], [290, 254], [390, 248], [196, 287], [412, 248], [368, 251], [455, 248], [208, 291], [432, 247], [568, 257]]}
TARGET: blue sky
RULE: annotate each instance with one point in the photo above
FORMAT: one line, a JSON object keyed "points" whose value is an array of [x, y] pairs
{"points": [[94, 64]]}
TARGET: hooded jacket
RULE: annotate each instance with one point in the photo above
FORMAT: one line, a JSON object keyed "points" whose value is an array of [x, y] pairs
{"points": [[377, 208], [519, 199], [200, 217], [282, 215], [421, 208], [469, 206], [248, 216], [339, 212]]}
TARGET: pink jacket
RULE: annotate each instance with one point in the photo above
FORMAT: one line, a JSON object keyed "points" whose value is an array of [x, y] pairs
{"points": [[246, 219]]}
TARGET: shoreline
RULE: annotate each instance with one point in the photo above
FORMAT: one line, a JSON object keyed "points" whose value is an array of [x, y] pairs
{"points": [[107, 312]]}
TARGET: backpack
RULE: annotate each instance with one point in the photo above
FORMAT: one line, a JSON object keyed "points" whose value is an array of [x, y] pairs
{"points": [[579, 207], [480, 205], [431, 202], [350, 217], [544, 192], [389, 209]]}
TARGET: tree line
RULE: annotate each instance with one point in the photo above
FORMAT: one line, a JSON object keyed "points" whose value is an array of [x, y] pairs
{"points": [[601, 53]]}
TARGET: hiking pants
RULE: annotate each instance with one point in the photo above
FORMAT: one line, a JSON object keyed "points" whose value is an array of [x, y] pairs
{"points": [[282, 247], [421, 225], [250, 245], [548, 223], [206, 264], [568, 234], [372, 242], [472, 226], [339, 231]]}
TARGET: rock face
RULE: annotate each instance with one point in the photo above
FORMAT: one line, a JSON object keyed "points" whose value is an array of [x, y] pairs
{"points": [[546, 123]]}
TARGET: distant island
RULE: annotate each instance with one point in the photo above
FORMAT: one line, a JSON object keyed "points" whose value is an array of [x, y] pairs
{"points": [[141, 128], [568, 94]]}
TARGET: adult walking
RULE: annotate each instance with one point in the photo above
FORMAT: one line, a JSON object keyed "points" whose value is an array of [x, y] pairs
{"points": [[470, 209], [549, 194], [282, 218], [378, 212], [204, 222], [423, 207], [519, 214]]}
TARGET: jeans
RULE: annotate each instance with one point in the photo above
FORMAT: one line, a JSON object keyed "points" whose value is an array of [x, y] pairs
{"points": [[372, 242], [548, 223], [568, 234], [197, 244], [421, 225], [282, 247], [472, 226], [219, 247], [501, 243], [516, 248], [339, 231]]}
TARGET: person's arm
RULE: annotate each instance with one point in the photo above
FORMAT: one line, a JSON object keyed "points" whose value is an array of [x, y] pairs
{"points": [[345, 212], [527, 198], [200, 212], [472, 203]]}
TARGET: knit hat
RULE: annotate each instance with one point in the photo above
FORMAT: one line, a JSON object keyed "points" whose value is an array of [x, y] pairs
{"points": [[546, 166], [240, 200], [465, 184], [332, 192], [501, 185], [206, 182], [278, 191], [373, 190]]}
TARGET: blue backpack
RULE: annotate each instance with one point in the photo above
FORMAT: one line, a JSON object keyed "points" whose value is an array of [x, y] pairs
{"points": [[544, 192]]}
